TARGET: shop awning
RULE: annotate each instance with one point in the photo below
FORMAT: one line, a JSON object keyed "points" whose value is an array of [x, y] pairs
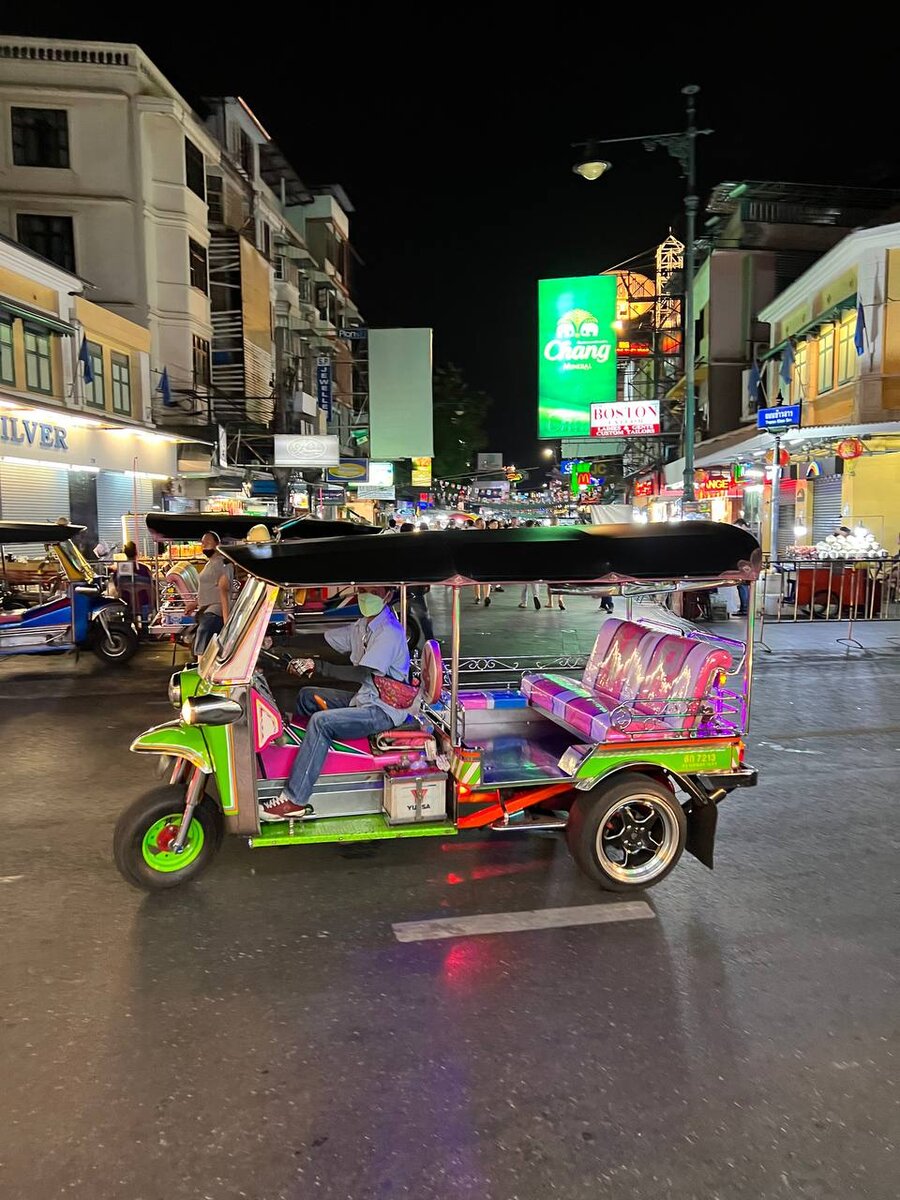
{"points": [[756, 443], [34, 316]]}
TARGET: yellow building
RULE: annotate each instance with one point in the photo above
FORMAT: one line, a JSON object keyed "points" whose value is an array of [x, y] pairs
{"points": [[75, 403], [835, 351]]}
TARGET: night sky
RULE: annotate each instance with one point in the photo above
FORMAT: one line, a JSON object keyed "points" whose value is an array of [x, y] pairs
{"points": [[455, 147]]}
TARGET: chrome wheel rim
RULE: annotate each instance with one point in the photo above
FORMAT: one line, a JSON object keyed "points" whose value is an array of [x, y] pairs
{"points": [[115, 644], [638, 839]]}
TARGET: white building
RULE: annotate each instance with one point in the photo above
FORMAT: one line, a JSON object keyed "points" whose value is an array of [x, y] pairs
{"points": [[103, 171]]}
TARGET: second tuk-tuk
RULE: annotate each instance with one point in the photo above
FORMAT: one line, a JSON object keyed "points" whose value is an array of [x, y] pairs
{"points": [[78, 616], [630, 760]]}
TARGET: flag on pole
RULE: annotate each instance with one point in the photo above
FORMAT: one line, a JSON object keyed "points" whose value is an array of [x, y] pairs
{"points": [[787, 361], [859, 336], [84, 357], [164, 389], [753, 381]]}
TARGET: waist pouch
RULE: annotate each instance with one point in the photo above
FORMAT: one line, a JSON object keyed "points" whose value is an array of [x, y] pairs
{"points": [[395, 692]]}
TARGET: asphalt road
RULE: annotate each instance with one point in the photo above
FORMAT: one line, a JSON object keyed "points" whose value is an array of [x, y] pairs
{"points": [[264, 1034]]}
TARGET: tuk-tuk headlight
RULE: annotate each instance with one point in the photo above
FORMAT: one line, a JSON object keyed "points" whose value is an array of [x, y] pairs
{"points": [[210, 710], [175, 690]]}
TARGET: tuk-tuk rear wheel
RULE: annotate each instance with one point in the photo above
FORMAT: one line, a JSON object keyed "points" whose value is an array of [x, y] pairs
{"points": [[629, 834], [146, 830]]}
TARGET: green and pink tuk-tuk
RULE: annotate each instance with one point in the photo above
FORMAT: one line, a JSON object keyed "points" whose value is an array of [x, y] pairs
{"points": [[629, 760]]}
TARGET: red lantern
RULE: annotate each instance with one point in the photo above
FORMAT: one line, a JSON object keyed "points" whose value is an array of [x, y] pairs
{"points": [[850, 447]]}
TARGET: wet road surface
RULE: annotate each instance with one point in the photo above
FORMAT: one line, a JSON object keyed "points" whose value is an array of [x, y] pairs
{"points": [[263, 1033]]}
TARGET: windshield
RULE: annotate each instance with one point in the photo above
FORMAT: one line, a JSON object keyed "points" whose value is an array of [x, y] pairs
{"points": [[75, 565], [252, 595]]}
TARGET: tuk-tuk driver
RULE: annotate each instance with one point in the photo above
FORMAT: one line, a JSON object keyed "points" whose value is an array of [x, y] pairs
{"points": [[373, 645]]}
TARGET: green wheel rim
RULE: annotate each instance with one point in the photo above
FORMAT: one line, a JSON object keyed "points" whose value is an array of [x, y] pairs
{"points": [[160, 859]]}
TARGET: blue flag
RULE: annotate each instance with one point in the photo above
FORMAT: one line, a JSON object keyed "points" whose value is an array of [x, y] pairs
{"points": [[859, 336], [84, 357], [164, 389], [753, 382], [787, 361]]}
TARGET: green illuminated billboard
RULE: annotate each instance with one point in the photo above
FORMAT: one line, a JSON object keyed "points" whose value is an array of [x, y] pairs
{"points": [[576, 352]]}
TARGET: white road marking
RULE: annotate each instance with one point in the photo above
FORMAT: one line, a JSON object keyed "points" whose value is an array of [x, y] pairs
{"points": [[11, 878], [789, 749], [521, 922]]}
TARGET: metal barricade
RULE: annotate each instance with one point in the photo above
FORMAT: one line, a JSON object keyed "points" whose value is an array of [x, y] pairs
{"points": [[830, 591]]}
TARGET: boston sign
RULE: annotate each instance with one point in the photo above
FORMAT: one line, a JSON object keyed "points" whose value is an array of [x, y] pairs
{"points": [[634, 418], [17, 431]]}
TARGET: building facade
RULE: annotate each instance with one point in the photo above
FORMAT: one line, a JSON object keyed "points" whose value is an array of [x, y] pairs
{"points": [[75, 402], [195, 227], [103, 171]]}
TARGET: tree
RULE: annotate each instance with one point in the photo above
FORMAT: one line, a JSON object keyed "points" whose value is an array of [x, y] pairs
{"points": [[459, 423]]}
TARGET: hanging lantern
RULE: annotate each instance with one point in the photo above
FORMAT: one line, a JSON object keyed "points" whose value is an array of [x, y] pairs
{"points": [[850, 447]]}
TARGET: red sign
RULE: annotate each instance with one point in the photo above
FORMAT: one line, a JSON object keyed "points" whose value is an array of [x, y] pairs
{"points": [[708, 488], [629, 418], [633, 349], [645, 487]]}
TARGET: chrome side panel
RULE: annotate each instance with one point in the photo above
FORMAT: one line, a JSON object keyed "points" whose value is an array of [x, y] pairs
{"points": [[242, 768]]}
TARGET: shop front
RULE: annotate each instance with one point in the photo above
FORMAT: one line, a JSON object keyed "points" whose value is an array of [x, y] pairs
{"points": [[719, 493], [53, 465]]}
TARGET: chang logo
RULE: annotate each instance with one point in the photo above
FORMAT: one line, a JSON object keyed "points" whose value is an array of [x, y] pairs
{"points": [[578, 344]]}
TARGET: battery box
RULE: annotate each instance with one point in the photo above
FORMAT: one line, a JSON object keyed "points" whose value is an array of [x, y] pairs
{"points": [[415, 796]]}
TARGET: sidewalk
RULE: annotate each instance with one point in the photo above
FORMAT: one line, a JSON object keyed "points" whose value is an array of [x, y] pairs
{"points": [[817, 641]]}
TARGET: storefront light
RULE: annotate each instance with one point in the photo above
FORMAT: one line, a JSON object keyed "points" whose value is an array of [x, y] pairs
{"points": [[53, 416], [800, 531], [47, 462]]}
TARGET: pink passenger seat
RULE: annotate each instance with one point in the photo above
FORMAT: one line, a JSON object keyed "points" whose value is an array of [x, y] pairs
{"points": [[637, 682]]}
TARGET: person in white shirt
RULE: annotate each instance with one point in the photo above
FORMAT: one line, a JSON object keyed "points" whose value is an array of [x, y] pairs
{"points": [[374, 645]]}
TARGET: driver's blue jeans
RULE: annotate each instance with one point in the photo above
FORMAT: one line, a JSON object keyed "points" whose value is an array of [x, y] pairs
{"points": [[337, 722]]}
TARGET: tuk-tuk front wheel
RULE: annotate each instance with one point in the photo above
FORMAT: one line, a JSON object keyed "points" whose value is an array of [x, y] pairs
{"points": [[628, 835], [116, 643], [145, 834]]}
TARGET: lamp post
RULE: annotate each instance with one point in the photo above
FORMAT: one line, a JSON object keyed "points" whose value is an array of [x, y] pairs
{"points": [[682, 147]]}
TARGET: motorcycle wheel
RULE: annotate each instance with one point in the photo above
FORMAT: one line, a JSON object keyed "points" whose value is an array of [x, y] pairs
{"points": [[115, 645]]}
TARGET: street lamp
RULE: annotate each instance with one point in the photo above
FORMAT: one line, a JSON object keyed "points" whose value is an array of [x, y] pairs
{"points": [[682, 147], [592, 166]]}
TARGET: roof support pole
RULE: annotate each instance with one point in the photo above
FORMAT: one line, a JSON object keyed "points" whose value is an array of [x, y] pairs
{"points": [[454, 665]]}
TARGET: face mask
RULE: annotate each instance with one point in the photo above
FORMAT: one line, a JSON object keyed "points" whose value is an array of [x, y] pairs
{"points": [[210, 553], [369, 605]]}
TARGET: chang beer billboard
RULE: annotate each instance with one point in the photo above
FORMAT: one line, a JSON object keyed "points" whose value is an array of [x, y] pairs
{"points": [[576, 352]]}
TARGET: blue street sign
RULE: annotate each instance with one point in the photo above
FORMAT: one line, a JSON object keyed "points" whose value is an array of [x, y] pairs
{"points": [[353, 334], [779, 418], [323, 385]]}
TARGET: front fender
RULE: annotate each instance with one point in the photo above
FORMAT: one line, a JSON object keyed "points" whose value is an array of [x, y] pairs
{"points": [[176, 738], [113, 610]]}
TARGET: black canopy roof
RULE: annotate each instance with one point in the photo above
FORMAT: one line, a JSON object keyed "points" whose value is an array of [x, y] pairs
{"points": [[171, 527], [20, 533], [583, 554]]}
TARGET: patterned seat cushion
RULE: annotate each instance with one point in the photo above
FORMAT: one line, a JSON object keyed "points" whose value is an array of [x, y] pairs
{"points": [[644, 682]]}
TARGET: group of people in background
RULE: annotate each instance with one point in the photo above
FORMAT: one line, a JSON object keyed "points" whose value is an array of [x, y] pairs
{"points": [[483, 590]]}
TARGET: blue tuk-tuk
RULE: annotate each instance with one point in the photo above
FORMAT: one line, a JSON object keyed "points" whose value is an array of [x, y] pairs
{"points": [[78, 616]]}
